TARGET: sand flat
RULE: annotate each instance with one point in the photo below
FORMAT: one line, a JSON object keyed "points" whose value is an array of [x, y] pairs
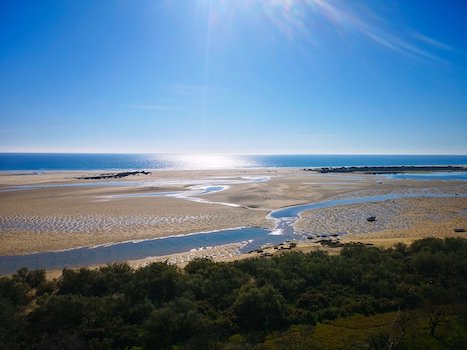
{"points": [[56, 218]]}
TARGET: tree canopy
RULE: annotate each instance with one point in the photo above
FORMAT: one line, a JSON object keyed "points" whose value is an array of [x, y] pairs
{"points": [[207, 304]]}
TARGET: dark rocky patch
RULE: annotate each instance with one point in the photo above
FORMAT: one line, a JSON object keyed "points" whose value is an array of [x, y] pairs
{"points": [[114, 175], [374, 170]]}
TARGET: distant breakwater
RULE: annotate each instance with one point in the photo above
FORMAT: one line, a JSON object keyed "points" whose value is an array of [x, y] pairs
{"points": [[375, 170]]}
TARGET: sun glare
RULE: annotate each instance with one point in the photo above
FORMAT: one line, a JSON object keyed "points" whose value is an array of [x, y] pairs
{"points": [[209, 161]]}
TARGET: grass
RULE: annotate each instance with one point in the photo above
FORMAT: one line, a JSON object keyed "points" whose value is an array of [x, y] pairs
{"points": [[355, 331]]}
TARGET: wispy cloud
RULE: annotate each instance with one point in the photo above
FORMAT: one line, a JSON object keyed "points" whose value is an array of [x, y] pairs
{"points": [[300, 17], [432, 42]]}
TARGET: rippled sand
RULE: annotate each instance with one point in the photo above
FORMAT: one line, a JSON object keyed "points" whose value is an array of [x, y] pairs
{"points": [[95, 223], [396, 220]]}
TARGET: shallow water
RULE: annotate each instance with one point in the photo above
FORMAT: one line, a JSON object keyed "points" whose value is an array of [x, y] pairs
{"points": [[208, 184], [284, 219], [295, 210], [133, 250], [443, 176]]}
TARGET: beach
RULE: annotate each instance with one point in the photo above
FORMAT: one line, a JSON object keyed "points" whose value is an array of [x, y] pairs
{"points": [[56, 211], [57, 218]]}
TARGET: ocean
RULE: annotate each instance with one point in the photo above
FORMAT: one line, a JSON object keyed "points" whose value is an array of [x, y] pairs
{"points": [[88, 161]]}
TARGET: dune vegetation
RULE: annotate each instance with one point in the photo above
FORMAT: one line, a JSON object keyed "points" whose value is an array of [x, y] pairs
{"points": [[363, 298]]}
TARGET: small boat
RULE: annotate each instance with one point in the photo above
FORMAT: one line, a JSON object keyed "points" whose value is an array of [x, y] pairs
{"points": [[371, 219]]}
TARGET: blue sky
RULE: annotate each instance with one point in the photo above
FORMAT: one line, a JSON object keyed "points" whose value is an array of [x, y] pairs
{"points": [[234, 76]]}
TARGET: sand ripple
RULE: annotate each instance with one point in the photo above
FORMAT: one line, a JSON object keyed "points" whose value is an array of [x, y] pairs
{"points": [[401, 214], [92, 223]]}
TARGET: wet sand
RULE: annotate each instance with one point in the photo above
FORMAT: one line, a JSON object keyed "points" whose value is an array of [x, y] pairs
{"points": [[57, 218], [401, 220]]}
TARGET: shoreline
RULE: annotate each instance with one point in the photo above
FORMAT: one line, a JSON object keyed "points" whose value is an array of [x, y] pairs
{"points": [[339, 169]]}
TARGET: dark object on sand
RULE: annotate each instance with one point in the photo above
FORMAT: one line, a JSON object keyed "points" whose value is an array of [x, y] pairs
{"points": [[459, 230], [114, 175], [330, 243], [371, 219]]}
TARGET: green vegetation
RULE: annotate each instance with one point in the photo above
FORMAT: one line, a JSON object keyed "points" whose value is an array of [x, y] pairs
{"points": [[363, 298]]}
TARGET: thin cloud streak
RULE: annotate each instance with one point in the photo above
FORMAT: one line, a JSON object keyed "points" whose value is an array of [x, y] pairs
{"points": [[433, 42], [296, 17], [378, 32], [151, 108]]}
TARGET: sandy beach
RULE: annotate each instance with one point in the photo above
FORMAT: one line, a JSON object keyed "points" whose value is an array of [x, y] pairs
{"points": [[57, 216]]}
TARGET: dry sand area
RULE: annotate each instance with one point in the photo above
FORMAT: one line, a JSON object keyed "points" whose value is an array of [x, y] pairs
{"points": [[226, 252], [56, 218]]}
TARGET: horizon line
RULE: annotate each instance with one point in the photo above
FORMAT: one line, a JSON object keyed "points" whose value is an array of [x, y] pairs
{"points": [[240, 154]]}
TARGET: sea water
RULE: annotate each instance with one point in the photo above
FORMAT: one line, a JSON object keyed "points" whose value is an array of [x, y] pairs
{"points": [[76, 161]]}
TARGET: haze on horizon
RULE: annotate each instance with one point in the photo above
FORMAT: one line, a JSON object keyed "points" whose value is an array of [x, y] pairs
{"points": [[234, 76]]}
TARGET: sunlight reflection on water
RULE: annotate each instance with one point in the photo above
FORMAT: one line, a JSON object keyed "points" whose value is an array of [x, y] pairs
{"points": [[207, 161]]}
